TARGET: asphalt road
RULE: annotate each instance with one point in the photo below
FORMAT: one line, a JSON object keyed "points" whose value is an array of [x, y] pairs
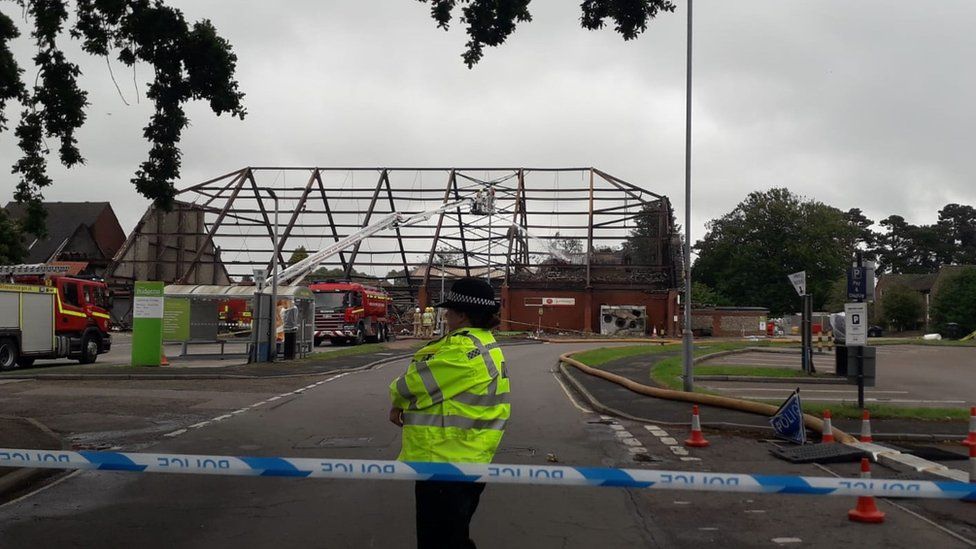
{"points": [[346, 417], [908, 375]]}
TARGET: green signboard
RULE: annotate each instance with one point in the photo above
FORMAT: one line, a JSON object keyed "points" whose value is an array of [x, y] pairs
{"points": [[176, 319], [147, 324]]}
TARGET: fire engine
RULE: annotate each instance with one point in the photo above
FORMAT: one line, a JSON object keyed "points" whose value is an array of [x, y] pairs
{"points": [[45, 315], [348, 312]]}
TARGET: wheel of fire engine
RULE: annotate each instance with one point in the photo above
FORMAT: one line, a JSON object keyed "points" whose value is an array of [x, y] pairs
{"points": [[336, 341], [384, 333], [360, 336], [375, 338], [8, 353], [25, 362], [89, 349], [317, 341]]}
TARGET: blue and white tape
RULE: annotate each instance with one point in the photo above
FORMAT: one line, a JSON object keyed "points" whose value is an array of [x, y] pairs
{"points": [[358, 469]]}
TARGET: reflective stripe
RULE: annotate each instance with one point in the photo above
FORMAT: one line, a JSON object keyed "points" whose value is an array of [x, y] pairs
{"points": [[431, 420], [404, 390], [481, 400], [430, 383], [485, 355]]}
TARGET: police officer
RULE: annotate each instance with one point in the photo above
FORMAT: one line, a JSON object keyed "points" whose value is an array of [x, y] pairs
{"points": [[452, 404]]}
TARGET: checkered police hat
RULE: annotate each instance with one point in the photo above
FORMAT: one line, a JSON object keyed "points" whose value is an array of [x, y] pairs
{"points": [[470, 294]]}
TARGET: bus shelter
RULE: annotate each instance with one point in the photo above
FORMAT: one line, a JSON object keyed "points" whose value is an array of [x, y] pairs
{"points": [[226, 321]]}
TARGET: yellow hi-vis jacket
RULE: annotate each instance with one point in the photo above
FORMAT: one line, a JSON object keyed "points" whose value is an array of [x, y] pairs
{"points": [[454, 398]]}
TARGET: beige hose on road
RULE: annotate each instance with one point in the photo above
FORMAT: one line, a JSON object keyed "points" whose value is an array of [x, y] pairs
{"points": [[749, 406]]}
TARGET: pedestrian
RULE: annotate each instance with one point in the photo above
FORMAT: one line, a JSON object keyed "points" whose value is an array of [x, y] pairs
{"points": [[416, 323], [452, 405], [428, 321]]}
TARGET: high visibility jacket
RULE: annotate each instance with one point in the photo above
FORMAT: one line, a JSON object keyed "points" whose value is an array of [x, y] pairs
{"points": [[428, 319], [454, 398]]}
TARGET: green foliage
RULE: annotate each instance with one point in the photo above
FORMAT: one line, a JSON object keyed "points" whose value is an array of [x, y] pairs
{"points": [[907, 248], [490, 22], [12, 248], [747, 254], [702, 295], [642, 245], [188, 61], [299, 254], [956, 302], [902, 308]]}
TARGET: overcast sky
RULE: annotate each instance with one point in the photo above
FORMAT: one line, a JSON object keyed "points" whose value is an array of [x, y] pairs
{"points": [[859, 104]]}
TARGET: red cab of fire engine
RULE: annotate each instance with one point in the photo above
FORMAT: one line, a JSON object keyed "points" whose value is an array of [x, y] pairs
{"points": [[348, 312]]}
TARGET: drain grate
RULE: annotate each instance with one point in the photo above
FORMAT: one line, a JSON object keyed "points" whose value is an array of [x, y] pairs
{"points": [[819, 453]]}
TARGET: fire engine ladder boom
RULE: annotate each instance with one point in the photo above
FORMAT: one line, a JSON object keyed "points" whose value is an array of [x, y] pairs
{"points": [[295, 273]]}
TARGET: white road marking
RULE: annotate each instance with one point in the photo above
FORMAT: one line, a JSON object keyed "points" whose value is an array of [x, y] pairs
{"points": [[623, 433], [637, 450], [617, 427], [198, 425], [631, 441], [175, 433], [810, 390], [682, 502], [679, 450], [572, 400], [887, 400], [690, 459], [784, 541], [668, 441]]}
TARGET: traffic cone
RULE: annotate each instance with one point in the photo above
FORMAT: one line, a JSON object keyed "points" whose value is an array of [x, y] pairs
{"points": [[866, 510], [162, 360], [697, 439], [971, 439], [828, 430], [654, 333], [866, 426]]}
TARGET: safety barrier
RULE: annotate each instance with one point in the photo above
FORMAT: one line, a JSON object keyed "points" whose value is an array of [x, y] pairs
{"points": [[357, 469]]}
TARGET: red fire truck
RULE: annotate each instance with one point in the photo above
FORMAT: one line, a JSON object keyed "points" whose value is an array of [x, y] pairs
{"points": [[348, 312], [50, 316]]}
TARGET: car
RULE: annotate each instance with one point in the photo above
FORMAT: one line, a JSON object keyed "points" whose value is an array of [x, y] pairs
{"points": [[875, 331]]}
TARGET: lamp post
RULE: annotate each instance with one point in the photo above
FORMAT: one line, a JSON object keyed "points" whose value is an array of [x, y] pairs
{"points": [[273, 339], [688, 340]]}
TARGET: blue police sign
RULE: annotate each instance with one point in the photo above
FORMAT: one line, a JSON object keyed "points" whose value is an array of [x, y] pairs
{"points": [[857, 283], [788, 420]]}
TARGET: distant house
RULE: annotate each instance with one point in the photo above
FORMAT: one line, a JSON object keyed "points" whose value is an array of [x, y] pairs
{"points": [[81, 235], [926, 284]]}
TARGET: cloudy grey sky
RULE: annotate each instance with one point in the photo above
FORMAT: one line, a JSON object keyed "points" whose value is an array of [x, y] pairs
{"points": [[859, 104]]}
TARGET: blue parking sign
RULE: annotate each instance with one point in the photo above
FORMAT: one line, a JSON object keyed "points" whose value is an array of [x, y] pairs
{"points": [[857, 283]]}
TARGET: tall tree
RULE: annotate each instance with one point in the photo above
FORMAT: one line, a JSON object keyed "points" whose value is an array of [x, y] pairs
{"points": [[907, 248], [747, 254], [11, 244], [957, 230], [490, 22], [299, 254], [189, 61], [902, 308], [956, 301], [643, 245]]}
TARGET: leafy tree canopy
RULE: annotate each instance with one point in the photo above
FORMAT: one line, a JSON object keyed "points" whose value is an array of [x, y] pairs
{"points": [[189, 61], [956, 302], [902, 308], [747, 254], [11, 244], [490, 22]]}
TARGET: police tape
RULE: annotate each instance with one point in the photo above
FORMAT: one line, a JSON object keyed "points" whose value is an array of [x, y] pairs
{"points": [[358, 469]]}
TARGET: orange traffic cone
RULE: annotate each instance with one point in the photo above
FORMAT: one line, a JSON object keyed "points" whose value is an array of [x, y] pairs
{"points": [[828, 429], [866, 426], [697, 439], [971, 439], [162, 360], [866, 510]]}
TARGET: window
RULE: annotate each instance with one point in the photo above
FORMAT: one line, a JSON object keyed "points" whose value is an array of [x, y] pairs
{"points": [[89, 299], [70, 295]]}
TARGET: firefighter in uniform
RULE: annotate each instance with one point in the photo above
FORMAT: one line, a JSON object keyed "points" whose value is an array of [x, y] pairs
{"points": [[428, 322], [452, 405]]}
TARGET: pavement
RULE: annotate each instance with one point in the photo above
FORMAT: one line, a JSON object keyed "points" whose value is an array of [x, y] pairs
{"points": [[344, 415], [20, 432], [908, 375]]}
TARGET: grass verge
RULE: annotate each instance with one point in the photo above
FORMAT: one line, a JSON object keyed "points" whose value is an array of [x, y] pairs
{"points": [[667, 373], [364, 349]]}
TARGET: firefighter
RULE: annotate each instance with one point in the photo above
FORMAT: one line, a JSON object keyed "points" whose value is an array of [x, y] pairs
{"points": [[416, 323], [452, 405], [427, 319]]}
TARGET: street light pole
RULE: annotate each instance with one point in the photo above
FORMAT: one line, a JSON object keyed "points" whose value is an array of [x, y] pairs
{"points": [[273, 337], [688, 340]]}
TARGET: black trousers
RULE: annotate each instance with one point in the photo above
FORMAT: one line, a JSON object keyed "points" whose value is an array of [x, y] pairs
{"points": [[444, 511]]}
